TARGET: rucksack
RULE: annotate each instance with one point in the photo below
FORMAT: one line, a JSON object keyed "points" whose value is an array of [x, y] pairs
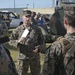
{"points": [[7, 66], [68, 55], [67, 63]]}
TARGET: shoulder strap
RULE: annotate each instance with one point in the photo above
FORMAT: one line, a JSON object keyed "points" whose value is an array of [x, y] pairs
{"points": [[66, 45]]}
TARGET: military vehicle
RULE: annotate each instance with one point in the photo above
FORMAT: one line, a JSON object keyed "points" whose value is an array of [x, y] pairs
{"points": [[11, 19], [60, 9]]}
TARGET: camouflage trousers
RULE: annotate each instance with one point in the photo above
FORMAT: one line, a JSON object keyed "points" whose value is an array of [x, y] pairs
{"points": [[34, 64]]}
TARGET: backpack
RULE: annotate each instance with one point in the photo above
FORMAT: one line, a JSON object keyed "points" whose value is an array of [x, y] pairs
{"points": [[68, 56], [67, 62], [7, 66]]}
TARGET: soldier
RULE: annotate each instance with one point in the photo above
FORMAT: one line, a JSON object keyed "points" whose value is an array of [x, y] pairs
{"points": [[7, 66], [36, 18], [61, 58], [29, 45], [32, 18]]}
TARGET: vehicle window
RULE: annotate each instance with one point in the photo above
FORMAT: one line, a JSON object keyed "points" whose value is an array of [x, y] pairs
{"points": [[12, 15]]}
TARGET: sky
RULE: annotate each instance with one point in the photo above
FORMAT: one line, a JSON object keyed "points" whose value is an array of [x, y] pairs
{"points": [[26, 3]]}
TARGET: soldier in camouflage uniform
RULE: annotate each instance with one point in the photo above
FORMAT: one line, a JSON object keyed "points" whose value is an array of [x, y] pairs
{"points": [[7, 66], [53, 66], [29, 46]]}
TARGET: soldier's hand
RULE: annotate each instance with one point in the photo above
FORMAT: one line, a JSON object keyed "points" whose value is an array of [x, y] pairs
{"points": [[21, 40], [36, 50]]}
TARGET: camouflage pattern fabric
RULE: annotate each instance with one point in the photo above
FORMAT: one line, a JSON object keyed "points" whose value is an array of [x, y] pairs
{"points": [[55, 66], [3, 28], [7, 66], [26, 57], [23, 66]]}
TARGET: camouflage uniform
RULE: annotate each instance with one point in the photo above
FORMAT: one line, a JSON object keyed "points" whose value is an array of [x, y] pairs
{"points": [[7, 67], [27, 57], [52, 66]]}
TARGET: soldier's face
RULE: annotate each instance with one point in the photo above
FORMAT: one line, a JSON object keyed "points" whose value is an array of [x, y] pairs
{"points": [[26, 20]]}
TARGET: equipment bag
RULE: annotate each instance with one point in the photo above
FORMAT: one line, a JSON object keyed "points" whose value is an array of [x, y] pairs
{"points": [[68, 54]]}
